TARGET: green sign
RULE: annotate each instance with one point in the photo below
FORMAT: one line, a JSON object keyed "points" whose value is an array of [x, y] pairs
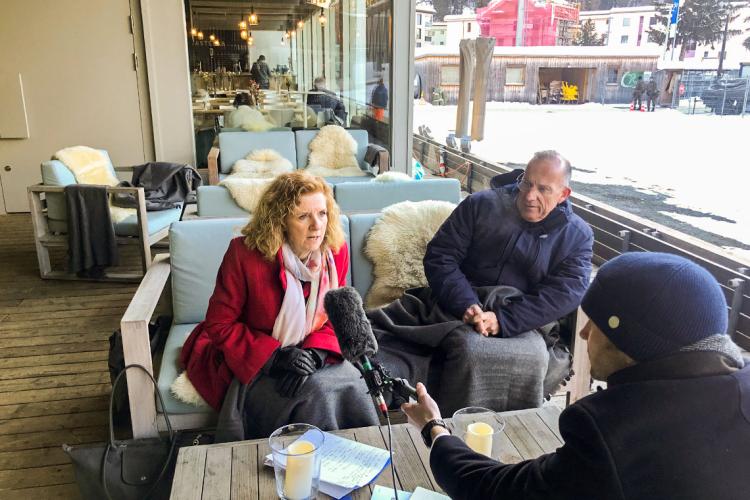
{"points": [[630, 78]]}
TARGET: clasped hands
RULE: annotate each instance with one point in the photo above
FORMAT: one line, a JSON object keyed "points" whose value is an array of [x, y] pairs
{"points": [[292, 366], [484, 322]]}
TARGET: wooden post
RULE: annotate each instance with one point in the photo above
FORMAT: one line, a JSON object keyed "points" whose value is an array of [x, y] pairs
{"points": [[39, 222], [738, 285], [145, 244], [580, 383], [625, 235]]}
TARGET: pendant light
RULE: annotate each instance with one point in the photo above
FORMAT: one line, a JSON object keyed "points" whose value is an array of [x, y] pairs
{"points": [[300, 24], [252, 19], [322, 17], [243, 34]]}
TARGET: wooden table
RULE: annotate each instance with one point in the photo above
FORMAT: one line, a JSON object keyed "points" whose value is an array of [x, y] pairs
{"points": [[236, 470]]}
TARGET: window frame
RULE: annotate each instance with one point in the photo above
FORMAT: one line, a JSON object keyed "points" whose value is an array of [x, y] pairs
{"points": [[523, 76], [443, 83]]}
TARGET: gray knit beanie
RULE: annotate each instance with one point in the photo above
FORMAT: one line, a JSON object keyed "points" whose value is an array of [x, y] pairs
{"points": [[651, 304]]}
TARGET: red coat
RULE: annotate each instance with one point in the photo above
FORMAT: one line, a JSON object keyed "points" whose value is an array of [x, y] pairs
{"points": [[235, 338]]}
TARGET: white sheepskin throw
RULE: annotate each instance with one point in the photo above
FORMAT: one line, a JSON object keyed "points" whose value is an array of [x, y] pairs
{"points": [[183, 390], [392, 177], [333, 147], [262, 163], [396, 245], [249, 119], [246, 191]]}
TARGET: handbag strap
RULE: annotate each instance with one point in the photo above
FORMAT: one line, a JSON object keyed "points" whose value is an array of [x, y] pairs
{"points": [[156, 391], [111, 444]]}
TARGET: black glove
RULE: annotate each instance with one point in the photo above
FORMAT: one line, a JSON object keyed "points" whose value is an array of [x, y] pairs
{"points": [[319, 357], [290, 383], [293, 360]]}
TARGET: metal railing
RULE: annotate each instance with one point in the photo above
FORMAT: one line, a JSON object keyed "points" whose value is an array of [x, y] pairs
{"points": [[616, 231]]}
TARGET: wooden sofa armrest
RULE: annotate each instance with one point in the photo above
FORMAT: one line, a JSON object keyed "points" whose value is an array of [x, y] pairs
{"points": [[136, 346], [213, 166]]}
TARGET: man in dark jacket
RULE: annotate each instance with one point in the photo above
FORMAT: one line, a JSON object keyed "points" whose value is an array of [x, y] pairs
{"points": [[640, 88], [674, 421], [652, 92], [326, 100], [261, 73], [523, 234]]}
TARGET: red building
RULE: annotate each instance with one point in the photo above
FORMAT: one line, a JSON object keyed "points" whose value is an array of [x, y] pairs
{"points": [[545, 23]]}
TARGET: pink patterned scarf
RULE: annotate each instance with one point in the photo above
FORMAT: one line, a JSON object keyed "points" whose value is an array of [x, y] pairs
{"points": [[296, 319]]}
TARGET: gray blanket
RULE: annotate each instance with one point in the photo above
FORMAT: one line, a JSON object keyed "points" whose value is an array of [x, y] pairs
{"points": [[422, 343], [334, 397], [92, 244]]}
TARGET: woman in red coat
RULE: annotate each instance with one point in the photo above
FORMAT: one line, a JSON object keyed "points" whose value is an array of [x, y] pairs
{"points": [[266, 330]]}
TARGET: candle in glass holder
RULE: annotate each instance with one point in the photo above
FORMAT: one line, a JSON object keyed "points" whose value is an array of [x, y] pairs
{"points": [[299, 470], [479, 437]]}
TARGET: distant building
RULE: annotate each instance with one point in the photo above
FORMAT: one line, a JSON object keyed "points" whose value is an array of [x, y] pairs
{"points": [[460, 27], [425, 15], [623, 26], [522, 74], [437, 34], [545, 23]]}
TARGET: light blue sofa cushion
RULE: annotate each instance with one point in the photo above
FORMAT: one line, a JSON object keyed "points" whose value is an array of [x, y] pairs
{"points": [[374, 196], [170, 368], [55, 173], [129, 227], [303, 138], [157, 221], [236, 145], [361, 267], [215, 201], [197, 248]]}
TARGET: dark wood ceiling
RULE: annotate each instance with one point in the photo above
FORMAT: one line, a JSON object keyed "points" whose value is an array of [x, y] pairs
{"points": [[226, 14]]}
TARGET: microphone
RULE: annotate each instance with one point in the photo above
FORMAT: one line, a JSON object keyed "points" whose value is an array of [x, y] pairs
{"points": [[357, 342]]}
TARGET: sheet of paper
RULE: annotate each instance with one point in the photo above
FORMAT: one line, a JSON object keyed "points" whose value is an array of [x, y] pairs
{"points": [[383, 493], [346, 465], [425, 494]]}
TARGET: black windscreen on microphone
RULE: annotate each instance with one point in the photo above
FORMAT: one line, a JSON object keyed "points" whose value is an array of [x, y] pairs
{"points": [[347, 315]]}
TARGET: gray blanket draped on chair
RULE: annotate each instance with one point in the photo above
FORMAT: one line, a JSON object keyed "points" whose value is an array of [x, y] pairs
{"points": [[92, 244], [422, 343]]}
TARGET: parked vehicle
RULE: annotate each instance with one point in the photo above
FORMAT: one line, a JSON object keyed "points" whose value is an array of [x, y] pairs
{"points": [[726, 97]]}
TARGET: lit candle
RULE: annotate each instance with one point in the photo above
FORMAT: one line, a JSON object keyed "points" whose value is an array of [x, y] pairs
{"points": [[299, 470], [479, 438]]}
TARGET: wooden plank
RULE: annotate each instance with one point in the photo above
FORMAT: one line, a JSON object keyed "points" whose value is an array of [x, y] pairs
{"points": [[56, 359], [409, 468], [244, 483], [523, 441], [97, 346], [63, 407], [39, 457], [54, 325], [550, 415], [37, 476], [373, 437], [60, 491], [51, 340], [424, 454], [546, 439], [217, 478], [188, 478], [54, 438], [33, 396], [46, 370], [266, 479], [61, 315], [53, 422]]}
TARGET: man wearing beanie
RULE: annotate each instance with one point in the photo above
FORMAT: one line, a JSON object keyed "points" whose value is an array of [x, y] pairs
{"points": [[674, 421]]}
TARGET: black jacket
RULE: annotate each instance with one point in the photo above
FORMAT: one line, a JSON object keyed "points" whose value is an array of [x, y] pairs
{"points": [[485, 242], [676, 428], [327, 101]]}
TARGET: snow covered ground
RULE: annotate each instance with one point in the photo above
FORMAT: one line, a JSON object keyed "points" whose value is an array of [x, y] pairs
{"points": [[691, 172]]}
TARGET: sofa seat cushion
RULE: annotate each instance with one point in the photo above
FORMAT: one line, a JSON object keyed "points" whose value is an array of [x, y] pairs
{"points": [[236, 145], [129, 227], [215, 201], [170, 368]]}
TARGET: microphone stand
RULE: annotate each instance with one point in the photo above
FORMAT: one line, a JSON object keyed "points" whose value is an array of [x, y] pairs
{"points": [[379, 379]]}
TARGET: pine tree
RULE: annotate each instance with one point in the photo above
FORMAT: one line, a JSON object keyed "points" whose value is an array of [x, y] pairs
{"points": [[700, 21], [587, 35]]}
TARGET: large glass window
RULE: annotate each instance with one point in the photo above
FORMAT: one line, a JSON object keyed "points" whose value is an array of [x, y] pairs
{"points": [[303, 66]]}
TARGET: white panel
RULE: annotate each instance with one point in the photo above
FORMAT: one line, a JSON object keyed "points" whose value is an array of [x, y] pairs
{"points": [[13, 121], [402, 101]]}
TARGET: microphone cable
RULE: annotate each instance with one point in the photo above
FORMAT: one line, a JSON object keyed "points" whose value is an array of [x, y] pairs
{"points": [[390, 450]]}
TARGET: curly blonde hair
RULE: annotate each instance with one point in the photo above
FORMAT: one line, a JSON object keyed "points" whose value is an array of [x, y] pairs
{"points": [[266, 231]]}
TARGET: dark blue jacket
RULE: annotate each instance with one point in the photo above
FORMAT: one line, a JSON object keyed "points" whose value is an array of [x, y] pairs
{"points": [[485, 242], [673, 428]]}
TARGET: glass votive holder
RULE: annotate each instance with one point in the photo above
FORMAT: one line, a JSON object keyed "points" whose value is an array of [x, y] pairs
{"points": [[296, 460], [480, 429]]}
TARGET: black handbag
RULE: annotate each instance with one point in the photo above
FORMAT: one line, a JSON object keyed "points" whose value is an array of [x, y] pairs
{"points": [[139, 469]]}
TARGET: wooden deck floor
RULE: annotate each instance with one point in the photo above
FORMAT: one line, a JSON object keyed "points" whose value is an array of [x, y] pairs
{"points": [[54, 381]]}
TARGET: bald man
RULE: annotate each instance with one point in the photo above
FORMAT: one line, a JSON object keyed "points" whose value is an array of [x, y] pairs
{"points": [[522, 234]]}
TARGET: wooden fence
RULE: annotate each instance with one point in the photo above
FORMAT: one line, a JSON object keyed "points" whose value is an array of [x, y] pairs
{"points": [[615, 231]]}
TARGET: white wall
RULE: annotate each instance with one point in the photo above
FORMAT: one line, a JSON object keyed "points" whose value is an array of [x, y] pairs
{"points": [[268, 43], [458, 29]]}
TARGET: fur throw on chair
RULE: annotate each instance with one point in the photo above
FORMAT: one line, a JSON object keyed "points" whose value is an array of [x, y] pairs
{"points": [[333, 148], [262, 163], [246, 192], [183, 390], [396, 245], [392, 177], [249, 119]]}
